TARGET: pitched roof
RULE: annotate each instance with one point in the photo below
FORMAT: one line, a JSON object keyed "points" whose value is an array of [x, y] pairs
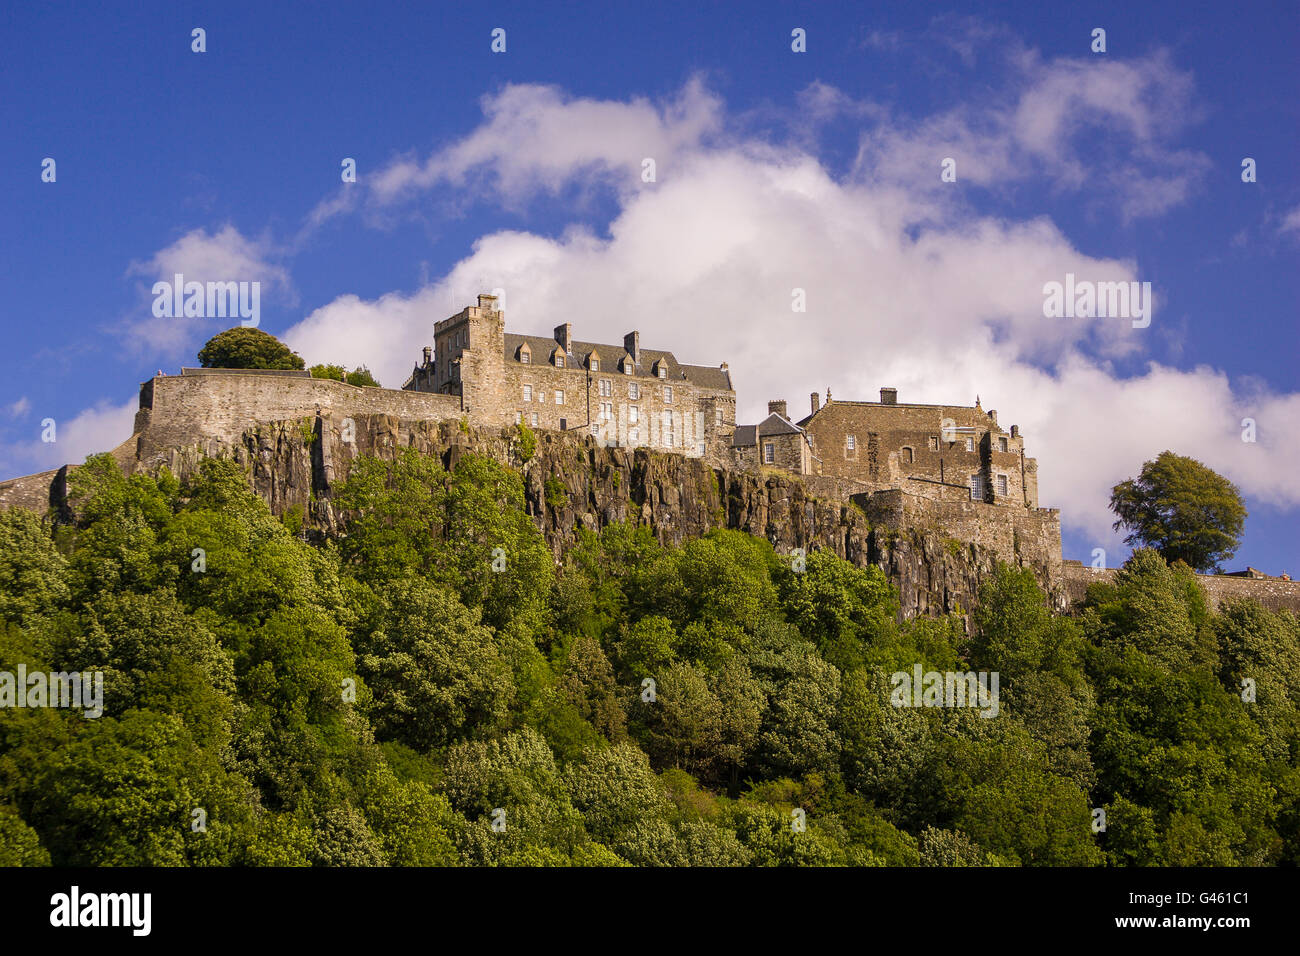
{"points": [[700, 375], [774, 424]]}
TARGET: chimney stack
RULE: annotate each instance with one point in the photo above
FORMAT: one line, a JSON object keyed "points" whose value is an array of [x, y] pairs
{"points": [[564, 335], [1015, 431], [777, 408], [428, 354], [889, 396], [816, 402], [632, 344]]}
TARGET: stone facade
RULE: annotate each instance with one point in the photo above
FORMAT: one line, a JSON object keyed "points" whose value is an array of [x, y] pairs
{"points": [[623, 395], [940, 452], [775, 442]]}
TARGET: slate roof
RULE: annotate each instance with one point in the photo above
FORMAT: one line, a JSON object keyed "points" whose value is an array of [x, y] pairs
{"points": [[774, 424], [541, 347]]}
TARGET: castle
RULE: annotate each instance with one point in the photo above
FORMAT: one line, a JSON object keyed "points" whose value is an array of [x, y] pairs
{"points": [[630, 397], [934, 494]]}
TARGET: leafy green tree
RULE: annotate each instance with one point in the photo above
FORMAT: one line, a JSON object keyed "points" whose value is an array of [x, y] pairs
{"points": [[434, 670], [33, 574], [359, 376], [1183, 509], [19, 843], [243, 347]]}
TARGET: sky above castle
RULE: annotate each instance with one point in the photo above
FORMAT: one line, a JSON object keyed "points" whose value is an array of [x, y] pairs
{"points": [[779, 178]]}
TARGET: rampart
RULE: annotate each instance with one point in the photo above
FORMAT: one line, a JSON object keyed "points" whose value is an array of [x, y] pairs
{"points": [[212, 408], [1271, 593]]}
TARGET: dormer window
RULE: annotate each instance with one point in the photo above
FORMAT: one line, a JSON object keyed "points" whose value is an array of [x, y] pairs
{"points": [[661, 368], [595, 365], [525, 356], [559, 359], [629, 366]]}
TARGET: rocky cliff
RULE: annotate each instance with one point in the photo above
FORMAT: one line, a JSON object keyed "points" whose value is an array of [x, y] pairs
{"points": [[296, 464]]}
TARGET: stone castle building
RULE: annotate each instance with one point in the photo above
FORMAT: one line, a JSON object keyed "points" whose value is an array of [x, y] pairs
{"points": [[624, 395], [629, 397], [941, 452]]}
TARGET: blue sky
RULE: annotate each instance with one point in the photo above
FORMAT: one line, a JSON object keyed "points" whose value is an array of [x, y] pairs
{"points": [[775, 170]]}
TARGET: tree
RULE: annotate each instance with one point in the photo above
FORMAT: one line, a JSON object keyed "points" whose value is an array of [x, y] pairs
{"points": [[358, 376], [1183, 509], [247, 348]]}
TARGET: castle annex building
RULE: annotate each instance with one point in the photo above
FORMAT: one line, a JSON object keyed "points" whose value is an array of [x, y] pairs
{"points": [[624, 395], [941, 452]]}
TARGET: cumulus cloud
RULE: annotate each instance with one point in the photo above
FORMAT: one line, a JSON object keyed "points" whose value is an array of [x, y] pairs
{"points": [[902, 289], [1046, 124], [224, 255], [102, 427]]}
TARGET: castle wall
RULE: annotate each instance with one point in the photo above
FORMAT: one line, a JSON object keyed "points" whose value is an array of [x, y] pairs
{"points": [[212, 409], [1271, 593], [1021, 536]]}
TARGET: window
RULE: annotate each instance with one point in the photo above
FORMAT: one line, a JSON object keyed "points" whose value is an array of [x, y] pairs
{"points": [[595, 365], [606, 411], [559, 396], [669, 438], [634, 391], [628, 366], [528, 393], [851, 443], [606, 388], [524, 358], [519, 418], [559, 360], [970, 444], [541, 395], [634, 435], [663, 370], [534, 419], [700, 449], [633, 414], [717, 416], [1002, 485], [668, 394], [769, 453], [908, 457], [934, 443], [1002, 444], [976, 488]]}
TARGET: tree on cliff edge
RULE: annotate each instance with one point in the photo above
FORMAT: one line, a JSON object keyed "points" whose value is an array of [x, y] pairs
{"points": [[1183, 509], [247, 348]]}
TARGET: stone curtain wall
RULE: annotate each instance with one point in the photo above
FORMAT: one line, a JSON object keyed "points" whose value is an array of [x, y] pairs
{"points": [[212, 410], [1269, 592]]}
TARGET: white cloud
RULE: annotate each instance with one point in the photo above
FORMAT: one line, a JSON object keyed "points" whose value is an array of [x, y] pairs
{"points": [[19, 408], [102, 427], [902, 289], [225, 255]]}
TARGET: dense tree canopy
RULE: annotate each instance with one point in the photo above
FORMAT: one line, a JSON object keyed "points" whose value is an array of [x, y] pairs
{"points": [[429, 687], [243, 347], [1183, 509], [358, 376]]}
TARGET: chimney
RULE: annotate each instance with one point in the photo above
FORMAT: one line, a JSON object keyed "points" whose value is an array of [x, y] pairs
{"points": [[1015, 431], [828, 394], [428, 354], [889, 396], [632, 344], [487, 302], [816, 402], [777, 408], [564, 335]]}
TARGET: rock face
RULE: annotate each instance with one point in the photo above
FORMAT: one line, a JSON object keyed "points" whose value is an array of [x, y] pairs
{"points": [[572, 483]]}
